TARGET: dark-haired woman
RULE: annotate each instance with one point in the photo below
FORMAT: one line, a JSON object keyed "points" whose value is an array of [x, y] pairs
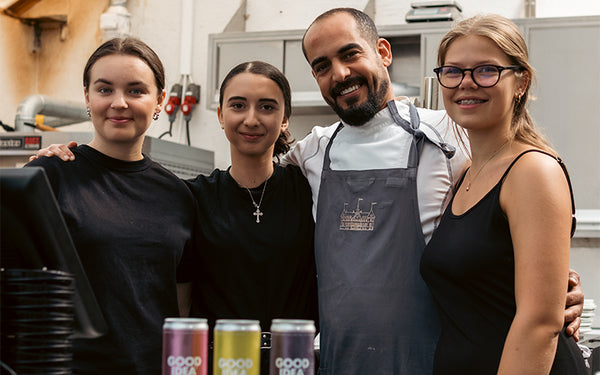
{"points": [[256, 258], [130, 218]]}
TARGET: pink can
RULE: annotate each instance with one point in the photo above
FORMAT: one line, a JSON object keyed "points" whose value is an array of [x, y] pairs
{"points": [[185, 346]]}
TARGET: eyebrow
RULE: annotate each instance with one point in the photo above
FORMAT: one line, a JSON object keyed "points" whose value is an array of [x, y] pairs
{"points": [[345, 48], [107, 82], [244, 98]]}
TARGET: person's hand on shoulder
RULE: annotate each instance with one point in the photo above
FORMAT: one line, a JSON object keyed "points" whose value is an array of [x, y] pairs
{"points": [[59, 150]]}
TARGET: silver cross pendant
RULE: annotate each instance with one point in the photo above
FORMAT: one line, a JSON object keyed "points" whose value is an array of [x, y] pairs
{"points": [[258, 214]]}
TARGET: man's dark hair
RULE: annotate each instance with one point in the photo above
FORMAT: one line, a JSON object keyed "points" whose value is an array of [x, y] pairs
{"points": [[364, 24]]}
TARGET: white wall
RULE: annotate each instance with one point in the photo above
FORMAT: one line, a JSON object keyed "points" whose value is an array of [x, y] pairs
{"points": [[158, 22]]}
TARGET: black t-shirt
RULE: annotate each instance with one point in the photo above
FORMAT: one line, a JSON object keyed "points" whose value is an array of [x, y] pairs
{"points": [[248, 270], [130, 222]]}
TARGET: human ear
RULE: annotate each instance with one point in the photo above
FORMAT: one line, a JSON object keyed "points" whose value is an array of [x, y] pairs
{"points": [[384, 50], [220, 117], [161, 100], [285, 124]]}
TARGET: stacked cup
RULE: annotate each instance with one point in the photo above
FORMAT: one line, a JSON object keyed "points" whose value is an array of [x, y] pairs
{"points": [[37, 321], [587, 316]]}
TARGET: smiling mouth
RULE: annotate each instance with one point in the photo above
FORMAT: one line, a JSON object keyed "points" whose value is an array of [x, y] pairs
{"points": [[470, 101], [349, 90], [119, 120], [251, 136], [349, 86]]}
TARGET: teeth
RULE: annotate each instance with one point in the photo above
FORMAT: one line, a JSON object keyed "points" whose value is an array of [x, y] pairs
{"points": [[349, 89], [470, 101]]}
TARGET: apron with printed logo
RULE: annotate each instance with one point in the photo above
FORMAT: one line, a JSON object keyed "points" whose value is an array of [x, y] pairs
{"points": [[376, 313]]}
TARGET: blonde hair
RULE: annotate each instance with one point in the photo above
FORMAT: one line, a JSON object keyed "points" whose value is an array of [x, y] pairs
{"points": [[507, 36]]}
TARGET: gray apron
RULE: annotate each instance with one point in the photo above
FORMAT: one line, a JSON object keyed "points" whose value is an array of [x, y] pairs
{"points": [[376, 313]]}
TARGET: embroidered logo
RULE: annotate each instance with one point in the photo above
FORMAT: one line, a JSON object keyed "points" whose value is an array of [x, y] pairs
{"points": [[357, 220]]}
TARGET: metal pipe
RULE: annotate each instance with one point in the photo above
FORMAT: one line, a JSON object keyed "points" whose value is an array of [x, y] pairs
{"points": [[430, 93], [43, 105], [530, 8]]}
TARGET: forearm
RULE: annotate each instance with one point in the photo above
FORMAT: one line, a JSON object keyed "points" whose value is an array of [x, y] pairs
{"points": [[530, 347]]}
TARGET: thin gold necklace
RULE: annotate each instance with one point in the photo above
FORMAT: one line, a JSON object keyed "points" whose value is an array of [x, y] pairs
{"points": [[484, 164]]}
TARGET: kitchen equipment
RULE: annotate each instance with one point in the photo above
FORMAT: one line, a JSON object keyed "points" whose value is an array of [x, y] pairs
{"points": [[428, 11]]}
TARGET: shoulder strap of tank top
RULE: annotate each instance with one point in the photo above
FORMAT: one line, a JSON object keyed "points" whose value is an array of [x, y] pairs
{"points": [[564, 168]]}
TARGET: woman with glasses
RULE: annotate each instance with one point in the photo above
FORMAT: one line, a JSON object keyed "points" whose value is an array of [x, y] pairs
{"points": [[497, 265]]}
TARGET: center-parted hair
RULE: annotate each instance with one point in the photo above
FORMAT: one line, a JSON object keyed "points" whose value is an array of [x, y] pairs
{"points": [[282, 145], [131, 47]]}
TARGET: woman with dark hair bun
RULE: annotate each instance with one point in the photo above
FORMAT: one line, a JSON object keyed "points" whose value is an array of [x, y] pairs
{"points": [[129, 217], [256, 258]]}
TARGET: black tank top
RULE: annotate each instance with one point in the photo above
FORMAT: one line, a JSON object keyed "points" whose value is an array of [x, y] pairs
{"points": [[469, 268]]}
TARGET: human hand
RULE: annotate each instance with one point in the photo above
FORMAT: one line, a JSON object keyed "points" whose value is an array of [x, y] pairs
{"points": [[59, 150], [574, 305]]}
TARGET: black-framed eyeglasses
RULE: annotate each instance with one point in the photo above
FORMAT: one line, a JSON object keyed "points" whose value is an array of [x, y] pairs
{"points": [[483, 75]]}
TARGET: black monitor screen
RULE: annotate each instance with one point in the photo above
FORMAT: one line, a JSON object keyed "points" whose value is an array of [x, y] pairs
{"points": [[34, 236]]}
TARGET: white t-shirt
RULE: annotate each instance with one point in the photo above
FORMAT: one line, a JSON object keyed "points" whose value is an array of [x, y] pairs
{"points": [[381, 144]]}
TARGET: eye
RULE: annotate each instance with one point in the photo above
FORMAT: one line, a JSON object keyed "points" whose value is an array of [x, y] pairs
{"points": [[104, 90], [487, 69], [321, 67], [451, 71], [236, 105], [349, 55], [268, 107], [136, 91]]}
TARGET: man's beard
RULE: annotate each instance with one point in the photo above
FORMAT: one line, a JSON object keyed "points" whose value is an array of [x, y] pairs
{"points": [[359, 114]]}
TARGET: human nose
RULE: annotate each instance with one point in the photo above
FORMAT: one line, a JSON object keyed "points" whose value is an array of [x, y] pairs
{"points": [[468, 82], [251, 118], [119, 101], [340, 71]]}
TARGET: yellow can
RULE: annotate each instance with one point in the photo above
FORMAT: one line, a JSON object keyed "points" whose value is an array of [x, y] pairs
{"points": [[236, 347]]}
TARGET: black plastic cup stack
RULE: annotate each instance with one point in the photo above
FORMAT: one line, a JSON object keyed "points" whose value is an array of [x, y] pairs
{"points": [[37, 321]]}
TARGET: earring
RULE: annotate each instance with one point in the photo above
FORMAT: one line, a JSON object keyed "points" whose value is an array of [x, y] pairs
{"points": [[89, 113], [518, 96], [155, 116]]}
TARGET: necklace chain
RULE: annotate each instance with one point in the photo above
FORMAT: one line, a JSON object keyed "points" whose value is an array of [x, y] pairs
{"points": [[484, 164], [258, 213]]}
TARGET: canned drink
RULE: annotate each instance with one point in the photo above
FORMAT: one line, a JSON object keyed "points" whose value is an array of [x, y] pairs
{"points": [[292, 347], [185, 346], [237, 347]]}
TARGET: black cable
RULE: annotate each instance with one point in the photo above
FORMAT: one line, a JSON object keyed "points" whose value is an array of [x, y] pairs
{"points": [[167, 132], [6, 127], [187, 131]]}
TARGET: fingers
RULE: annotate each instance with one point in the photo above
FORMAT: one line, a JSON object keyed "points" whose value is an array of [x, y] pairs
{"points": [[574, 279], [59, 150], [62, 152], [575, 296], [573, 328]]}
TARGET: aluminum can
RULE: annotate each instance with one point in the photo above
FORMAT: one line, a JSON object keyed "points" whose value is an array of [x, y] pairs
{"points": [[237, 347], [185, 346], [292, 347]]}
